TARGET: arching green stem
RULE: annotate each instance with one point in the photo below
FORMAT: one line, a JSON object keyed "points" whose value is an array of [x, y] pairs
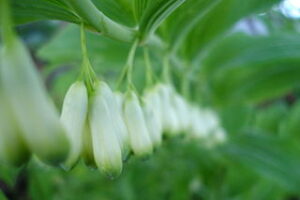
{"points": [[89, 13]]}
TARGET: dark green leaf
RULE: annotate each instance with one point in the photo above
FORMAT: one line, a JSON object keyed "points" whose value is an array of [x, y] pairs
{"points": [[290, 126], [268, 119], [268, 157], [118, 10], [33, 10]]}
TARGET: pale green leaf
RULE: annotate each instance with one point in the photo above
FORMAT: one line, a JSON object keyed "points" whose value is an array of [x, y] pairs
{"points": [[252, 69], [220, 19]]}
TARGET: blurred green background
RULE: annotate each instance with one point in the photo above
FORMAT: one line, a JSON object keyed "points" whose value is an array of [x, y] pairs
{"points": [[245, 65]]}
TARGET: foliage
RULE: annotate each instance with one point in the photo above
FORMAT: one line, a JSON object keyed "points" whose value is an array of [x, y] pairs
{"points": [[251, 80]]}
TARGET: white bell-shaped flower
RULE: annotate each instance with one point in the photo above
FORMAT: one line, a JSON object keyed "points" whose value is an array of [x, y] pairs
{"points": [[152, 118], [106, 147], [140, 140], [219, 135], [199, 128], [211, 118], [73, 117], [168, 114], [122, 125], [114, 102], [182, 112]]}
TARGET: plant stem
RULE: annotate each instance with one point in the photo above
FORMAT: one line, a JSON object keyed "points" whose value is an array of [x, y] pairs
{"points": [[8, 34], [166, 69], [89, 13], [127, 69], [185, 88], [130, 62], [87, 72], [149, 71]]}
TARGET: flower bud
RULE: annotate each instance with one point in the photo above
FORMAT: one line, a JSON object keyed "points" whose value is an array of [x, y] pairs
{"points": [[153, 125], [168, 114], [73, 117], [219, 135], [211, 118], [35, 113], [106, 147], [152, 117], [114, 102], [199, 126], [182, 112], [140, 140]]}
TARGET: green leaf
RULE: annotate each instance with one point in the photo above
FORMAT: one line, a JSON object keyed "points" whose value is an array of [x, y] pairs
{"points": [[236, 118], [193, 11], [269, 118], [253, 185], [65, 48], [220, 19], [154, 13], [252, 69], [118, 10], [273, 159], [26, 11], [77, 12], [139, 7], [290, 126]]}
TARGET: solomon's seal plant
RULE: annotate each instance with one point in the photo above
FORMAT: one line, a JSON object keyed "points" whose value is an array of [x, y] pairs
{"points": [[126, 86], [100, 123]]}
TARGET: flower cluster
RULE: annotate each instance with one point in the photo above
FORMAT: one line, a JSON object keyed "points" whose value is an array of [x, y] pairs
{"points": [[96, 124], [119, 124]]}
